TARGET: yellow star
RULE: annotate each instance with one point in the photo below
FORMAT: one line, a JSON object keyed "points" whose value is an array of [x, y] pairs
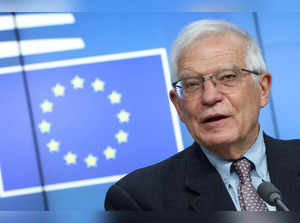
{"points": [[123, 116], [70, 158], [121, 136], [53, 146], [98, 85], [45, 126], [77, 82], [58, 90], [91, 161], [115, 97], [110, 153], [46, 106]]}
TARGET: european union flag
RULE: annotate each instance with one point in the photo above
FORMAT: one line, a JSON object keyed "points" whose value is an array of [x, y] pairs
{"points": [[99, 118]]}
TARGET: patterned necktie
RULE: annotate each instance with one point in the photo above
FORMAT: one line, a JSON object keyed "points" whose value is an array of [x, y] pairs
{"points": [[248, 197]]}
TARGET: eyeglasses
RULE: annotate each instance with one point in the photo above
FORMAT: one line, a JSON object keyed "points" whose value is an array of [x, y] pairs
{"points": [[224, 80]]}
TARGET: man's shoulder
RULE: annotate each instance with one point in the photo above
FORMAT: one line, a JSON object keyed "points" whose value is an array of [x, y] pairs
{"points": [[159, 170], [147, 188], [292, 145], [287, 150]]}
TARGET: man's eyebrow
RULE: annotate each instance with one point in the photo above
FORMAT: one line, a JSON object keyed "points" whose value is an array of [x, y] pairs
{"points": [[194, 73], [189, 75]]}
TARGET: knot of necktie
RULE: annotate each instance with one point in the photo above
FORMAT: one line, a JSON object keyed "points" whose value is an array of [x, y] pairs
{"points": [[243, 168]]}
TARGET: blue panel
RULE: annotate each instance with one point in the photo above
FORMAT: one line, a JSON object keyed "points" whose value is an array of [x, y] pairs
{"points": [[107, 33], [89, 198], [282, 49], [17, 154], [85, 122], [31, 202], [18, 160]]}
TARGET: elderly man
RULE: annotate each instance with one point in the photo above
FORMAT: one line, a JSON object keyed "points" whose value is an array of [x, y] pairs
{"points": [[220, 84]]}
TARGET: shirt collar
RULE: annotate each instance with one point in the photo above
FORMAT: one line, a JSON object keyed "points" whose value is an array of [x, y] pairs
{"points": [[256, 154]]}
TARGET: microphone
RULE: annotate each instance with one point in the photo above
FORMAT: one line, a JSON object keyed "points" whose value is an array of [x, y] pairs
{"points": [[271, 194]]}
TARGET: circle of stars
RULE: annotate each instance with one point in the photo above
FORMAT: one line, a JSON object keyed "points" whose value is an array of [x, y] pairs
{"points": [[97, 85]]}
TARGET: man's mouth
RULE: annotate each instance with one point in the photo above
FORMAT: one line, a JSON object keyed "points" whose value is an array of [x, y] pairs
{"points": [[214, 118]]}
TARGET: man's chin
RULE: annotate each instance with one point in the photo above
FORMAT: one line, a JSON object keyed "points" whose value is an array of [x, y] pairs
{"points": [[217, 141]]}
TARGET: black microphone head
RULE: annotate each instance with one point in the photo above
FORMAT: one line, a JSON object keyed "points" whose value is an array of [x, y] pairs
{"points": [[269, 193]]}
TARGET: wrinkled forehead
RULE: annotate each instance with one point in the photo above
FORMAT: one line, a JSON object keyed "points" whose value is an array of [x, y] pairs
{"points": [[211, 52], [227, 36]]}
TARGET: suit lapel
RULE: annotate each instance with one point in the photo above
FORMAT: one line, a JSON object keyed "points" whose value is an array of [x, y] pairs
{"points": [[204, 181]]}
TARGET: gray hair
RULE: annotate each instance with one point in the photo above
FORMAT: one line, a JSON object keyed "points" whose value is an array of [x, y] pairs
{"points": [[194, 31]]}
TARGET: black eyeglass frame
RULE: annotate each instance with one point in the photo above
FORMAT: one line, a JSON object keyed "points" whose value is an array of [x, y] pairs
{"points": [[209, 76]]}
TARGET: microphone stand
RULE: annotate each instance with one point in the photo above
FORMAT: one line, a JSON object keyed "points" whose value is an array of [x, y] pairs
{"points": [[281, 206]]}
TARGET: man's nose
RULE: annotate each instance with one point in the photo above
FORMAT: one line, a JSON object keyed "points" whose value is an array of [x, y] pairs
{"points": [[210, 94]]}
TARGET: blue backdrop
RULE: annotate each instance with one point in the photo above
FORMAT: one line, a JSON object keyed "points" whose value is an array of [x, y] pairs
{"points": [[90, 101]]}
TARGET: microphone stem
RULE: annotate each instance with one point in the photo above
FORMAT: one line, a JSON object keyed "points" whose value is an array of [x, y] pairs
{"points": [[281, 205]]}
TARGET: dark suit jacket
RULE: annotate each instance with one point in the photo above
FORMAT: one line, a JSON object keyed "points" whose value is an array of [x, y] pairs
{"points": [[187, 181]]}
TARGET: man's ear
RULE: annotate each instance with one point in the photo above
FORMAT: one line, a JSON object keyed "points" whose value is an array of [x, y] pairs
{"points": [[265, 83], [177, 103]]}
